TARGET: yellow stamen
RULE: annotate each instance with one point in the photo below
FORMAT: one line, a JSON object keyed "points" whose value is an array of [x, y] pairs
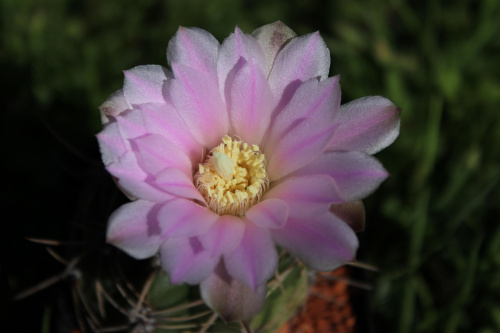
{"points": [[233, 177]]}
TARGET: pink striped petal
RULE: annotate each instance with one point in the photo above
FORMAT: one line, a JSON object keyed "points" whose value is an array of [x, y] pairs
{"points": [[194, 47], [197, 99], [236, 50], [303, 58], [231, 299], [254, 260], [367, 124], [356, 174], [164, 120], [154, 154], [322, 242], [134, 229], [186, 260], [251, 103], [270, 213], [134, 182], [224, 236], [306, 195], [271, 38], [144, 84], [299, 147], [175, 182], [113, 106], [312, 100], [184, 218]]}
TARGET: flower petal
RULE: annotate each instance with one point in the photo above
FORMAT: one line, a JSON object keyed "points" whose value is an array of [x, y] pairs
{"points": [[303, 58], [155, 154], [184, 218], [224, 236], [299, 147], [270, 213], [312, 100], [254, 260], [251, 103], [175, 182], [367, 124], [306, 195], [356, 174], [230, 298], [186, 260], [144, 84], [134, 182], [194, 47], [197, 99], [111, 143], [164, 120], [271, 38], [134, 229], [236, 50], [130, 126], [322, 242], [113, 106]]}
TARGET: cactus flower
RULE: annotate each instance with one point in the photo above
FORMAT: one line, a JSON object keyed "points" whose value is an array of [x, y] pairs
{"points": [[238, 148]]}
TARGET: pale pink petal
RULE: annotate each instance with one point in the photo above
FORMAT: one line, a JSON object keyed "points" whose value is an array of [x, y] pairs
{"points": [[154, 154], [111, 143], [224, 236], [199, 103], [164, 120], [113, 106], [271, 38], [194, 47], [131, 126], [323, 242], [133, 181], [254, 260], [236, 50], [144, 84], [312, 100], [356, 174], [186, 260], [301, 59], [230, 298], [299, 147], [270, 213], [184, 218], [134, 229], [251, 103], [367, 124], [176, 182], [306, 195]]}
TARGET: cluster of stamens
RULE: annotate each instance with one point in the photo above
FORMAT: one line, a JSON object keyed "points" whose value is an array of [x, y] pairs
{"points": [[232, 178]]}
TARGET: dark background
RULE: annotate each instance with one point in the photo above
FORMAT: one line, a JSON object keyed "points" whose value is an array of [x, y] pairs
{"points": [[432, 228]]}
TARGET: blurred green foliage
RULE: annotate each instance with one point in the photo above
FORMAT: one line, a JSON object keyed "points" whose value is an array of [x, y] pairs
{"points": [[432, 227]]}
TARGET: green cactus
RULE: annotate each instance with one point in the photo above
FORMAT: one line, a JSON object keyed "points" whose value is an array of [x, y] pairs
{"points": [[112, 292]]}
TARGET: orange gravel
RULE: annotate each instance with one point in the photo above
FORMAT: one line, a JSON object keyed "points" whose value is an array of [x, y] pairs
{"points": [[328, 309]]}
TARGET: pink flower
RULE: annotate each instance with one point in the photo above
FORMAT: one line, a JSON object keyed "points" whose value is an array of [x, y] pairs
{"points": [[238, 148]]}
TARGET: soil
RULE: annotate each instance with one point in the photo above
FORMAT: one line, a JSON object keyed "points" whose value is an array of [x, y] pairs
{"points": [[328, 308]]}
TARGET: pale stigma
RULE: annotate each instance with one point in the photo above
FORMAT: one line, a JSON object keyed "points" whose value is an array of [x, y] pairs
{"points": [[224, 165]]}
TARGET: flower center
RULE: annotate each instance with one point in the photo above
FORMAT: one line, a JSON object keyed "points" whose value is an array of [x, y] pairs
{"points": [[233, 177]]}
